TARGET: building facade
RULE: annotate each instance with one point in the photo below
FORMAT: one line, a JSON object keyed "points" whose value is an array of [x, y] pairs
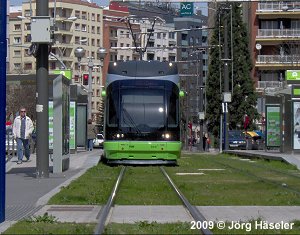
{"points": [[76, 23], [274, 29]]}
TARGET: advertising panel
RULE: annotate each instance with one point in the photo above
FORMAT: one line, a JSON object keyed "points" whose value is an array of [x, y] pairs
{"points": [[72, 124], [273, 126], [296, 122], [50, 111]]}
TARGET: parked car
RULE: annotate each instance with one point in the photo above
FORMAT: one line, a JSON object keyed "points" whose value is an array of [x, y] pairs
{"points": [[98, 141], [254, 140], [236, 139]]}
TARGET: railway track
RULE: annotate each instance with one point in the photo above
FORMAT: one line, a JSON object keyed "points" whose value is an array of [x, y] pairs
{"points": [[194, 212]]}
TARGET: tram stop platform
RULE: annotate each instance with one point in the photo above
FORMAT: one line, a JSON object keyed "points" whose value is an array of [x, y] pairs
{"points": [[26, 196]]}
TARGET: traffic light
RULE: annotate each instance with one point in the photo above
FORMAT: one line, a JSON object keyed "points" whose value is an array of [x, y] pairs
{"points": [[85, 79]]}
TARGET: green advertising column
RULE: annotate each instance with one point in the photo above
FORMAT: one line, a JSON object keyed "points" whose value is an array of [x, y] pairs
{"points": [[73, 148], [273, 126]]}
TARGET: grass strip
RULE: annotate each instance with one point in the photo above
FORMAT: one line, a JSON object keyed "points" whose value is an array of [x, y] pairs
{"points": [[92, 188], [231, 186], [146, 186]]}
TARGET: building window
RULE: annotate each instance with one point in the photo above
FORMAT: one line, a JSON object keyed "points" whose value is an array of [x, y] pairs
{"points": [[17, 27], [93, 17], [77, 14], [52, 65], [64, 39], [27, 26], [77, 27], [84, 15], [98, 92], [17, 40], [98, 42], [28, 38], [93, 104], [83, 28], [98, 30], [93, 42], [17, 53], [77, 40], [28, 66], [17, 65], [98, 17], [93, 29], [98, 80]]}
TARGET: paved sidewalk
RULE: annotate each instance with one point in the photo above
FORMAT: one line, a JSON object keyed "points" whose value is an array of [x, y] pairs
{"points": [[25, 194]]}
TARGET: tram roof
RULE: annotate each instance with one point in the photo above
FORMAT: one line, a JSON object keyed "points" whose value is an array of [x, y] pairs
{"points": [[142, 68]]}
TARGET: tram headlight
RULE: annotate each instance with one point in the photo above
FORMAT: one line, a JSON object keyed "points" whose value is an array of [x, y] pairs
{"points": [[119, 135], [166, 136]]}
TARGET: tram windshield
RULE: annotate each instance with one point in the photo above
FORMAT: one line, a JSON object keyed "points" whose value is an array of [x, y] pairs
{"points": [[142, 109]]}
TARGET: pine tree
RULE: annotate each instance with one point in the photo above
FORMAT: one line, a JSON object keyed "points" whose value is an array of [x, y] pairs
{"points": [[244, 98]]}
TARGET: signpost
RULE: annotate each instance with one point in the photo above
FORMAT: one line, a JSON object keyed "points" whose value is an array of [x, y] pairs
{"points": [[186, 8]]}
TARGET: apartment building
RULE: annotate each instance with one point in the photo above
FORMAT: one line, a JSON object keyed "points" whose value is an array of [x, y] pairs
{"points": [[274, 41], [161, 44], [77, 23]]}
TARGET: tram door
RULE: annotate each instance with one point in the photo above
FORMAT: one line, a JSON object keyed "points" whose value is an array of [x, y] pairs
{"points": [[81, 125]]}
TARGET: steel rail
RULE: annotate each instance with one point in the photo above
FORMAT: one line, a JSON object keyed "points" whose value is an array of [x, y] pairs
{"points": [[195, 213], [106, 208]]}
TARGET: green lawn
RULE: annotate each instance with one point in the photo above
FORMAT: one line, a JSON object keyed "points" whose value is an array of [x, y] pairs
{"points": [[145, 186], [238, 182], [24, 227], [92, 188]]}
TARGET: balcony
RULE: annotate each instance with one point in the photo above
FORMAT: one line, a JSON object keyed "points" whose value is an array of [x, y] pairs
{"points": [[278, 33], [278, 59], [278, 7], [268, 84]]}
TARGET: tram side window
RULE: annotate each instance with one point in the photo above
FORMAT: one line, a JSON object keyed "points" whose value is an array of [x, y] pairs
{"points": [[112, 110]]}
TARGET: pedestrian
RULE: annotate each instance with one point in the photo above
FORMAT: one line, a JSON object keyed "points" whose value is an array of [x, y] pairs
{"points": [[207, 142], [22, 129], [91, 135], [204, 141]]}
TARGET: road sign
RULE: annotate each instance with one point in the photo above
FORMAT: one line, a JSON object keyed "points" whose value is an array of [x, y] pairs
{"points": [[186, 8]]}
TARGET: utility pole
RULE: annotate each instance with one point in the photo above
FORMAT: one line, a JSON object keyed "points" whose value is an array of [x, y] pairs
{"points": [[42, 98], [90, 91], [200, 87], [226, 85], [3, 54]]}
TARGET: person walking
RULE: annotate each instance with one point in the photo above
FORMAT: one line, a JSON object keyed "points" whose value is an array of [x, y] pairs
{"points": [[22, 129], [91, 135]]}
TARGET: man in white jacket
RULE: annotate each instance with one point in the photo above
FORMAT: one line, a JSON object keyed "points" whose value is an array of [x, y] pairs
{"points": [[22, 130]]}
